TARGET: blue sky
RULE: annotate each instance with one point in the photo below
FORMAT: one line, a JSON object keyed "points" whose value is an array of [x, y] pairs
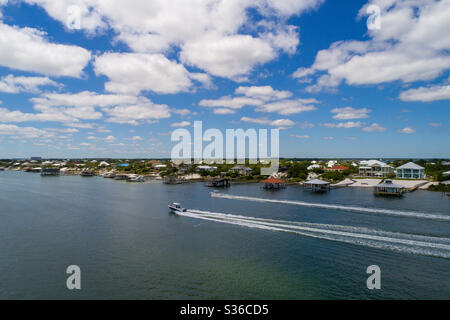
{"points": [[113, 79]]}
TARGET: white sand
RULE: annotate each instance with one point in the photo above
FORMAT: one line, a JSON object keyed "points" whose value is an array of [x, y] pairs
{"points": [[366, 183]]}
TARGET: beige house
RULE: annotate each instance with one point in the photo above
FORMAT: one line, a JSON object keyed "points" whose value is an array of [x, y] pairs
{"points": [[374, 168]]}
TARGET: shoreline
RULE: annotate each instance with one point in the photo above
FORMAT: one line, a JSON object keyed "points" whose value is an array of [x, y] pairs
{"points": [[410, 185]]}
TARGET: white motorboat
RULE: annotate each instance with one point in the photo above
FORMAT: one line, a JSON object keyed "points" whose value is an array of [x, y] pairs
{"points": [[176, 207]]}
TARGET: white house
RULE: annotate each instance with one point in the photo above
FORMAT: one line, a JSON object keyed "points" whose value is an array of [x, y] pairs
{"points": [[410, 171], [242, 170], [313, 166], [206, 168], [374, 168]]}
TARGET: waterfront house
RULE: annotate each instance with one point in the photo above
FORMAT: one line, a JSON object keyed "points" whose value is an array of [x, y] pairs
{"points": [[374, 168], [273, 184], [242, 170], [389, 188], [206, 168], [317, 185], [410, 171], [313, 166]]}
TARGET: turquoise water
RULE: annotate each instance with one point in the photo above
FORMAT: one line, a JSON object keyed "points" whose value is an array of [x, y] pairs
{"points": [[129, 246]]}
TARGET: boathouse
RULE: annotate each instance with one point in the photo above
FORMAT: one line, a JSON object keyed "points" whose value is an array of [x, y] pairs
{"points": [[389, 188], [219, 183], [50, 172], [317, 185], [273, 184]]}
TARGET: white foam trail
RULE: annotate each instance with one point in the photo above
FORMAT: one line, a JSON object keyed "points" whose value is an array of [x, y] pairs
{"points": [[408, 214], [416, 244]]}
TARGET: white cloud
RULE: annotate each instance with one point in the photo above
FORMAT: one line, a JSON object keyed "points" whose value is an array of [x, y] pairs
{"points": [[265, 93], [274, 123], [222, 111], [227, 56], [107, 139], [412, 45], [426, 94], [71, 108], [208, 33], [181, 124], [138, 113], [230, 102], [346, 125], [27, 49], [299, 136], [133, 73], [349, 113], [12, 84], [374, 127], [23, 132], [288, 107], [407, 130]]}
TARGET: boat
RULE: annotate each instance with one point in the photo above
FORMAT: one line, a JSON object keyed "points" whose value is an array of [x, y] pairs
{"points": [[109, 175], [135, 178], [87, 173], [121, 177], [176, 207]]}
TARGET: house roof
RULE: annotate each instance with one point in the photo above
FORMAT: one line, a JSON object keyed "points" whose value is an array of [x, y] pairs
{"points": [[410, 165], [376, 163], [317, 181], [337, 168], [389, 184]]}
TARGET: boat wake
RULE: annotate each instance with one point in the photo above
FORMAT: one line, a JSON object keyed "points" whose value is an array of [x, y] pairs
{"points": [[407, 214], [401, 242]]}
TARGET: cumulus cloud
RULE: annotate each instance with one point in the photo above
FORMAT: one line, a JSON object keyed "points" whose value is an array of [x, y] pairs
{"points": [[28, 49], [23, 132], [407, 130], [180, 124], [411, 46], [346, 125], [230, 102], [222, 111], [131, 73], [288, 107], [374, 127], [12, 84], [274, 123], [72, 108], [227, 56], [349, 113], [208, 33], [426, 94], [138, 113], [299, 136], [264, 93]]}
